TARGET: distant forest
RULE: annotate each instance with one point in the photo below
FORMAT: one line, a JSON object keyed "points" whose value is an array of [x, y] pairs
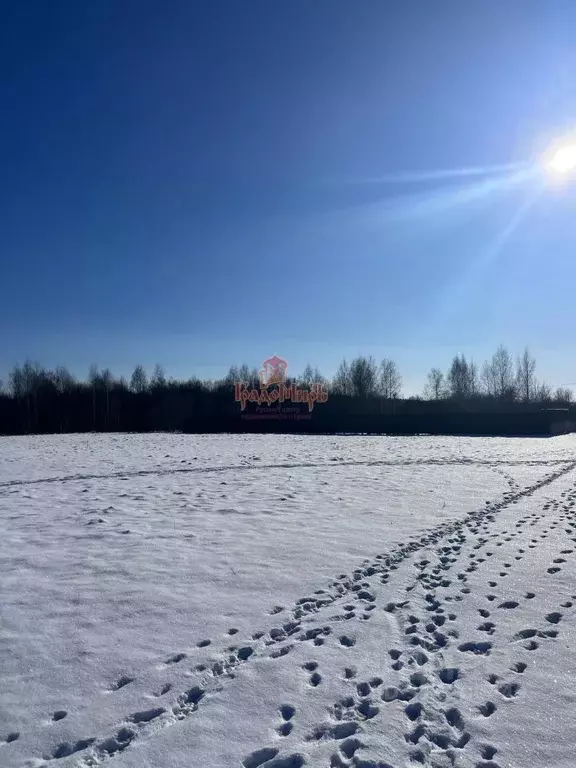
{"points": [[364, 395]]}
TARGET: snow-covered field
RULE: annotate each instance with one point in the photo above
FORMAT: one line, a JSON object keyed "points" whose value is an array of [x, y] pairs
{"points": [[363, 602]]}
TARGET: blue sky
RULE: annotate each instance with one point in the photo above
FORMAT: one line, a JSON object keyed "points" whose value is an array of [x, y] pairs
{"points": [[198, 183]]}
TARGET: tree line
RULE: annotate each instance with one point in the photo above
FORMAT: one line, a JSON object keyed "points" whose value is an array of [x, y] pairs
{"points": [[36, 399], [500, 378]]}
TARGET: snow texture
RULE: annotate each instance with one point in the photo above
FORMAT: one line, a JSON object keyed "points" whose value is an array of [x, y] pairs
{"points": [[274, 602]]}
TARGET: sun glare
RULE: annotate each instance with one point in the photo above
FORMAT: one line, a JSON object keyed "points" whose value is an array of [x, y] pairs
{"points": [[562, 160]]}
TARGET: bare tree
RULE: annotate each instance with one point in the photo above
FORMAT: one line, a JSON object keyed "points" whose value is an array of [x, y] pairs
{"points": [[93, 378], [458, 378], [158, 380], [317, 376], [16, 382], [139, 380], [306, 379], [25, 382], [543, 393], [473, 379], [107, 382], [232, 376], [488, 381], [435, 388], [341, 383], [364, 376], [63, 380], [244, 373], [563, 395], [390, 380], [525, 376], [498, 375]]}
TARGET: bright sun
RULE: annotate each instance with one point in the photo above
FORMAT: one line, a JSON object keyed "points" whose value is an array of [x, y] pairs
{"points": [[562, 160]]}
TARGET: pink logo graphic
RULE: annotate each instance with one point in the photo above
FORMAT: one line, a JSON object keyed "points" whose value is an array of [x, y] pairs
{"points": [[273, 371], [275, 390]]}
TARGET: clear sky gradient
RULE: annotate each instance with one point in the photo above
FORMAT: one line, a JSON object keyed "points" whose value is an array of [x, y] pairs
{"points": [[198, 183]]}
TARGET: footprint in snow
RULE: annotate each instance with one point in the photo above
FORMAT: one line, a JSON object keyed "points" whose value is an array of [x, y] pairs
{"points": [[349, 672], [509, 690], [449, 675], [121, 682], [145, 716], [554, 617], [487, 709], [287, 712], [178, 657], [481, 648], [315, 679]]}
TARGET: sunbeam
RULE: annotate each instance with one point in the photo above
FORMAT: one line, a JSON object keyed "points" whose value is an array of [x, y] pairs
{"points": [[494, 250], [451, 300], [410, 177], [429, 204]]}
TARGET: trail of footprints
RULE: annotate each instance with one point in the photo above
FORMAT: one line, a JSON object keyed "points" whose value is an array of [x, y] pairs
{"points": [[277, 642], [443, 728]]}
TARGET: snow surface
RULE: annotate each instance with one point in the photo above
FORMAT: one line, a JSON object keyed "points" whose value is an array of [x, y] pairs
{"points": [[363, 602]]}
